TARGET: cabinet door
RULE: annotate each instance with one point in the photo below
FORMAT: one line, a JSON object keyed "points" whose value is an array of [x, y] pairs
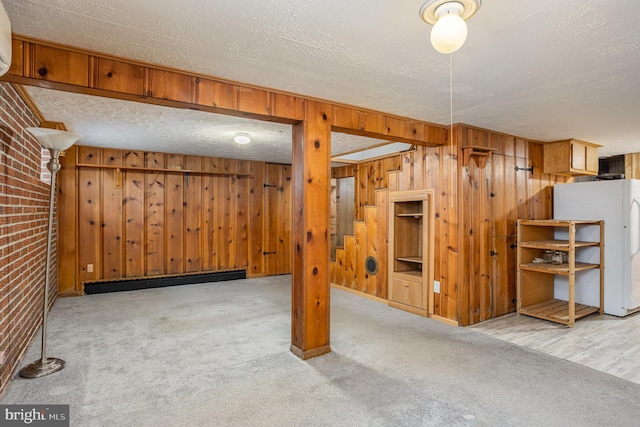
{"points": [[407, 292], [578, 156], [591, 154], [584, 157]]}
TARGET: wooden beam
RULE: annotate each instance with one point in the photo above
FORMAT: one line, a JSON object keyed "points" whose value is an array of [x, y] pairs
{"points": [[61, 67], [311, 186]]}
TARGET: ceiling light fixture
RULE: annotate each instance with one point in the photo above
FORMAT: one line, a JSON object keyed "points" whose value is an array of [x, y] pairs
{"points": [[448, 18], [242, 138]]}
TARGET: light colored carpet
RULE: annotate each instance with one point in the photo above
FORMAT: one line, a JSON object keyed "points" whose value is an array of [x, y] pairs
{"points": [[218, 355]]}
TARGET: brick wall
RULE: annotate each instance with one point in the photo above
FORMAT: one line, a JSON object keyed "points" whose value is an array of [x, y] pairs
{"points": [[24, 204]]}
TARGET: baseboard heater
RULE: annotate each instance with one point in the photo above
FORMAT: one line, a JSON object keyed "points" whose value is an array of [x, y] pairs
{"points": [[134, 284]]}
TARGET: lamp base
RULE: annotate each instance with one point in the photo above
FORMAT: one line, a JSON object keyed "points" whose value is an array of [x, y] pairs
{"points": [[38, 369]]}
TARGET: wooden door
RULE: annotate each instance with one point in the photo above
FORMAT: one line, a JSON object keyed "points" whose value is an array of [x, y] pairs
{"points": [[277, 220], [510, 182]]}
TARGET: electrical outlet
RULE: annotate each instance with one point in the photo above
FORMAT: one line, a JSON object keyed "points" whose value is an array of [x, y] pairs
{"points": [[89, 268], [436, 286]]}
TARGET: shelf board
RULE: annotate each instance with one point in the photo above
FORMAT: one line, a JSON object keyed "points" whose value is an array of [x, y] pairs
{"points": [[556, 244], [481, 153], [557, 311], [415, 259], [412, 274], [556, 222], [414, 215], [556, 268]]}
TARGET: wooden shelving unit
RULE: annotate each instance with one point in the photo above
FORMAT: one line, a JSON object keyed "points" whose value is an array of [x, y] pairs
{"points": [[535, 280], [411, 251]]}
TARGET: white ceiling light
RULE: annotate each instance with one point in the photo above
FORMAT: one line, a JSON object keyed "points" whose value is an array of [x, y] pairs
{"points": [[448, 17], [242, 138]]}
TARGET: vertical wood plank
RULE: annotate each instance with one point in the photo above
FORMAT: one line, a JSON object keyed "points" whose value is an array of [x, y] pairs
{"points": [[61, 65], [210, 211], [467, 291], [169, 85], [450, 297], [362, 183], [154, 215], [67, 210], [350, 262], [371, 280], [243, 212], [360, 252], [417, 178], [227, 224], [112, 219], [215, 94], [193, 215], [134, 215], [174, 215], [89, 215], [284, 221], [405, 176], [499, 224], [486, 243], [119, 76], [522, 186], [340, 267], [392, 181], [371, 186], [272, 178], [256, 258], [253, 100], [382, 239], [379, 171]]}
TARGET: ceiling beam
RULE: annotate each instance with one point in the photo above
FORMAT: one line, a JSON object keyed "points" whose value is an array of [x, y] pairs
{"points": [[55, 66]]}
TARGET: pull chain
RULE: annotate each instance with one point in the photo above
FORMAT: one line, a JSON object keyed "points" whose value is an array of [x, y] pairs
{"points": [[451, 181]]}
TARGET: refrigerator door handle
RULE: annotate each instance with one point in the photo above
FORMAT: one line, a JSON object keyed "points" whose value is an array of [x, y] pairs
{"points": [[634, 226]]}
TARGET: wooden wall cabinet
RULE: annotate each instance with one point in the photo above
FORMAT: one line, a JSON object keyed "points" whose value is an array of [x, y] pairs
{"points": [[411, 254], [571, 157], [535, 282]]}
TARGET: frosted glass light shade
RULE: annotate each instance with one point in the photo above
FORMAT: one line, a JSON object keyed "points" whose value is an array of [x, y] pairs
{"points": [[242, 138], [53, 138], [449, 33]]}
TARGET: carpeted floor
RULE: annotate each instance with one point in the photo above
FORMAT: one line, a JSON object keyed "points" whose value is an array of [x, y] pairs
{"points": [[218, 355]]}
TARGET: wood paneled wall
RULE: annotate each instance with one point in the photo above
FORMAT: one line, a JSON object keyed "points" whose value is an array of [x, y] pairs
{"points": [[468, 220], [475, 213], [491, 200], [371, 176], [132, 214]]}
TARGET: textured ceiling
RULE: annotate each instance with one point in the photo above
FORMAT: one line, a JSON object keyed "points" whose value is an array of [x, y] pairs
{"points": [[106, 122], [542, 69]]}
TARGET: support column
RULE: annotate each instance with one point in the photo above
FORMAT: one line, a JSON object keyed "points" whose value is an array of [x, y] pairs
{"points": [[311, 186]]}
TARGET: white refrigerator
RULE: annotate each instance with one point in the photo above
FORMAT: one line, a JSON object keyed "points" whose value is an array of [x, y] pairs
{"points": [[617, 202]]}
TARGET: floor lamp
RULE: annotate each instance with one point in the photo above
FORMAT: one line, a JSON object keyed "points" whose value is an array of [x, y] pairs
{"points": [[55, 141]]}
